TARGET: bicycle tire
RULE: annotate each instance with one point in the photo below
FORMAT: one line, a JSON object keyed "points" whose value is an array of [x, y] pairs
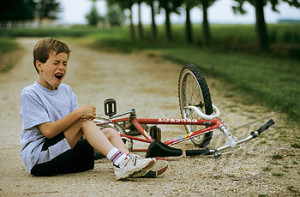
{"points": [[193, 90]]}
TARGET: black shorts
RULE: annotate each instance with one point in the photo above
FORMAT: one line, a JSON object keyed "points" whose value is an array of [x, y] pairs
{"points": [[78, 159]]}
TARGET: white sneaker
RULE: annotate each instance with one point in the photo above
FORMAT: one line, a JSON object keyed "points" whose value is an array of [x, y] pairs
{"points": [[160, 167], [131, 165]]}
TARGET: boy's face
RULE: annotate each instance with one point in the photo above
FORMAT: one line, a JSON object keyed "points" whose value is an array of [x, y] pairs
{"points": [[53, 71]]}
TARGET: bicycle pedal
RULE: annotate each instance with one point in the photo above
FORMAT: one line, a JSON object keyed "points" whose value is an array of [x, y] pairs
{"points": [[110, 107]]}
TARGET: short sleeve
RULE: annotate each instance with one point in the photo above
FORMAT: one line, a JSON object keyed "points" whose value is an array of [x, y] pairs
{"points": [[74, 104], [32, 110]]}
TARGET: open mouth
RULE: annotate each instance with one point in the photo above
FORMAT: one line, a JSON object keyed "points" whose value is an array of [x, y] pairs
{"points": [[59, 76]]}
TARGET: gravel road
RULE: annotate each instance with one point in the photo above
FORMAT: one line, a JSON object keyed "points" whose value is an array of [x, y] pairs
{"points": [[267, 166]]}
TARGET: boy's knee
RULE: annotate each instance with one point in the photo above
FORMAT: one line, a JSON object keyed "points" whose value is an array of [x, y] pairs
{"points": [[85, 124], [109, 132]]}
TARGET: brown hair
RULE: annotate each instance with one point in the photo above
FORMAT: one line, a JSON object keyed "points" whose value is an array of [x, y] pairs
{"points": [[42, 49]]}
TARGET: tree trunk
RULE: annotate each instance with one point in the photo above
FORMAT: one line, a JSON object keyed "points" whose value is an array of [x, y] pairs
{"points": [[140, 26], [261, 28], [153, 24], [132, 31], [188, 25], [40, 22], [168, 25], [205, 25]]}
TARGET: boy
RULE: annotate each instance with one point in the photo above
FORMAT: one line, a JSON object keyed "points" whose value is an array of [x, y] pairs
{"points": [[53, 124]]}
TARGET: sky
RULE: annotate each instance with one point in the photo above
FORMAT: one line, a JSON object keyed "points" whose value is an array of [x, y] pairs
{"points": [[74, 12]]}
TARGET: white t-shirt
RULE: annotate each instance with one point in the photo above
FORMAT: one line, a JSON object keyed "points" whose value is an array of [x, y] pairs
{"points": [[40, 105]]}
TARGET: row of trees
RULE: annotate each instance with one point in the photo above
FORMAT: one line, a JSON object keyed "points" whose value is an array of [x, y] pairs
{"points": [[173, 6], [27, 10], [114, 16]]}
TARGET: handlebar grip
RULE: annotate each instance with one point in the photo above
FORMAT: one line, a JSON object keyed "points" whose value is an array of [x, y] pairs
{"points": [[265, 126]]}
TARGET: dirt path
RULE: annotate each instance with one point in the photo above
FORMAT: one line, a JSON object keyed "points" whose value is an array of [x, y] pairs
{"points": [[267, 166]]}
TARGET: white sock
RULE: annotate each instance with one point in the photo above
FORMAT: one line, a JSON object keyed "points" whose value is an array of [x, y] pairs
{"points": [[116, 156]]}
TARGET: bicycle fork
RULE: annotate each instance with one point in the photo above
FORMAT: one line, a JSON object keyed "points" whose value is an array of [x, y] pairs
{"points": [[223, 128]]}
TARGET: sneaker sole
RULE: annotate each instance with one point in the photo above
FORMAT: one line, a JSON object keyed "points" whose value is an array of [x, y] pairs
{"points": [[160, 167], [134, 171]]}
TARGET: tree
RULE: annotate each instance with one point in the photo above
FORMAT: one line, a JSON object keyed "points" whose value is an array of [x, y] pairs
{"points": [[47, 9], [169, 6], [115, 15], [140, 25], [125, 5], [260, 24], [206, 36], [204, 4], [153, 22], [17, 10], [189, 4], [93, 17]]}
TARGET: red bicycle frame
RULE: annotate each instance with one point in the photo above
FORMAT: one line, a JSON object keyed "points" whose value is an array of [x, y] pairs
{"points": [[210, 125]]}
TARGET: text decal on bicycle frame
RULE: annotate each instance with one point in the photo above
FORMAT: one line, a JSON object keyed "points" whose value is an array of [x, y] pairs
{"points": [[178, 120]]}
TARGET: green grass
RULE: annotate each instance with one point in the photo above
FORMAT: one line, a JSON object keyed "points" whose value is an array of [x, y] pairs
{"points": [[7, 45], [76, 31], [278, 174], [269, 78]]}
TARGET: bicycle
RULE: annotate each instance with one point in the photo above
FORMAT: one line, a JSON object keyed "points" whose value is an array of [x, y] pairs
{"points": [[199, 117]]}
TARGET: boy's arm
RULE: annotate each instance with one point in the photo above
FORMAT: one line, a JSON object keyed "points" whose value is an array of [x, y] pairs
{"points": [[51, 129]]}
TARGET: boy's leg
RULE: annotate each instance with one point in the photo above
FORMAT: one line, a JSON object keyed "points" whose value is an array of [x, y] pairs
{"points": [[156, 170], [92, 133], [106, 142], [114, 137], [74, 134], [56, 157]]}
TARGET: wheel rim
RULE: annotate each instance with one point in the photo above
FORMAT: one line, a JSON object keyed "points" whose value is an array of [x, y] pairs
{"points": [[191, 95]]}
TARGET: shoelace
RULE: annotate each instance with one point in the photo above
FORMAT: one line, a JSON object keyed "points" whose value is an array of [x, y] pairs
{"points": [[133, 157]]}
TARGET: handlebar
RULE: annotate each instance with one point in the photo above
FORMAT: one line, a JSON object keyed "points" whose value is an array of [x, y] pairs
{"points": [[262, 128], [265, 126], [217, 151]]}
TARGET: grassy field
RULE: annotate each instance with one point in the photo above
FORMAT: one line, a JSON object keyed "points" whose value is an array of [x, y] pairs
{"points": [[74, 31], [271, 78], [7, 45]]}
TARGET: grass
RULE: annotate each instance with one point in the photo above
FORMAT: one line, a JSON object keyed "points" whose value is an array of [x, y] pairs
{"points": [[276, 156], [292, 189], [269, 78], [295, 145], [7, 45], [266, 169], [278, 174], [77, 31], [6, 67], [260, 76], [272, 81]]}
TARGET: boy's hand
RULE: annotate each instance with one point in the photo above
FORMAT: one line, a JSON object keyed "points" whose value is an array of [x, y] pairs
{"points": [[87, 112]]}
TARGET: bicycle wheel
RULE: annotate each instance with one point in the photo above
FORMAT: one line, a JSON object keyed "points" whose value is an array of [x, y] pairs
{"points": [[115, 126], [193, 91]]}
